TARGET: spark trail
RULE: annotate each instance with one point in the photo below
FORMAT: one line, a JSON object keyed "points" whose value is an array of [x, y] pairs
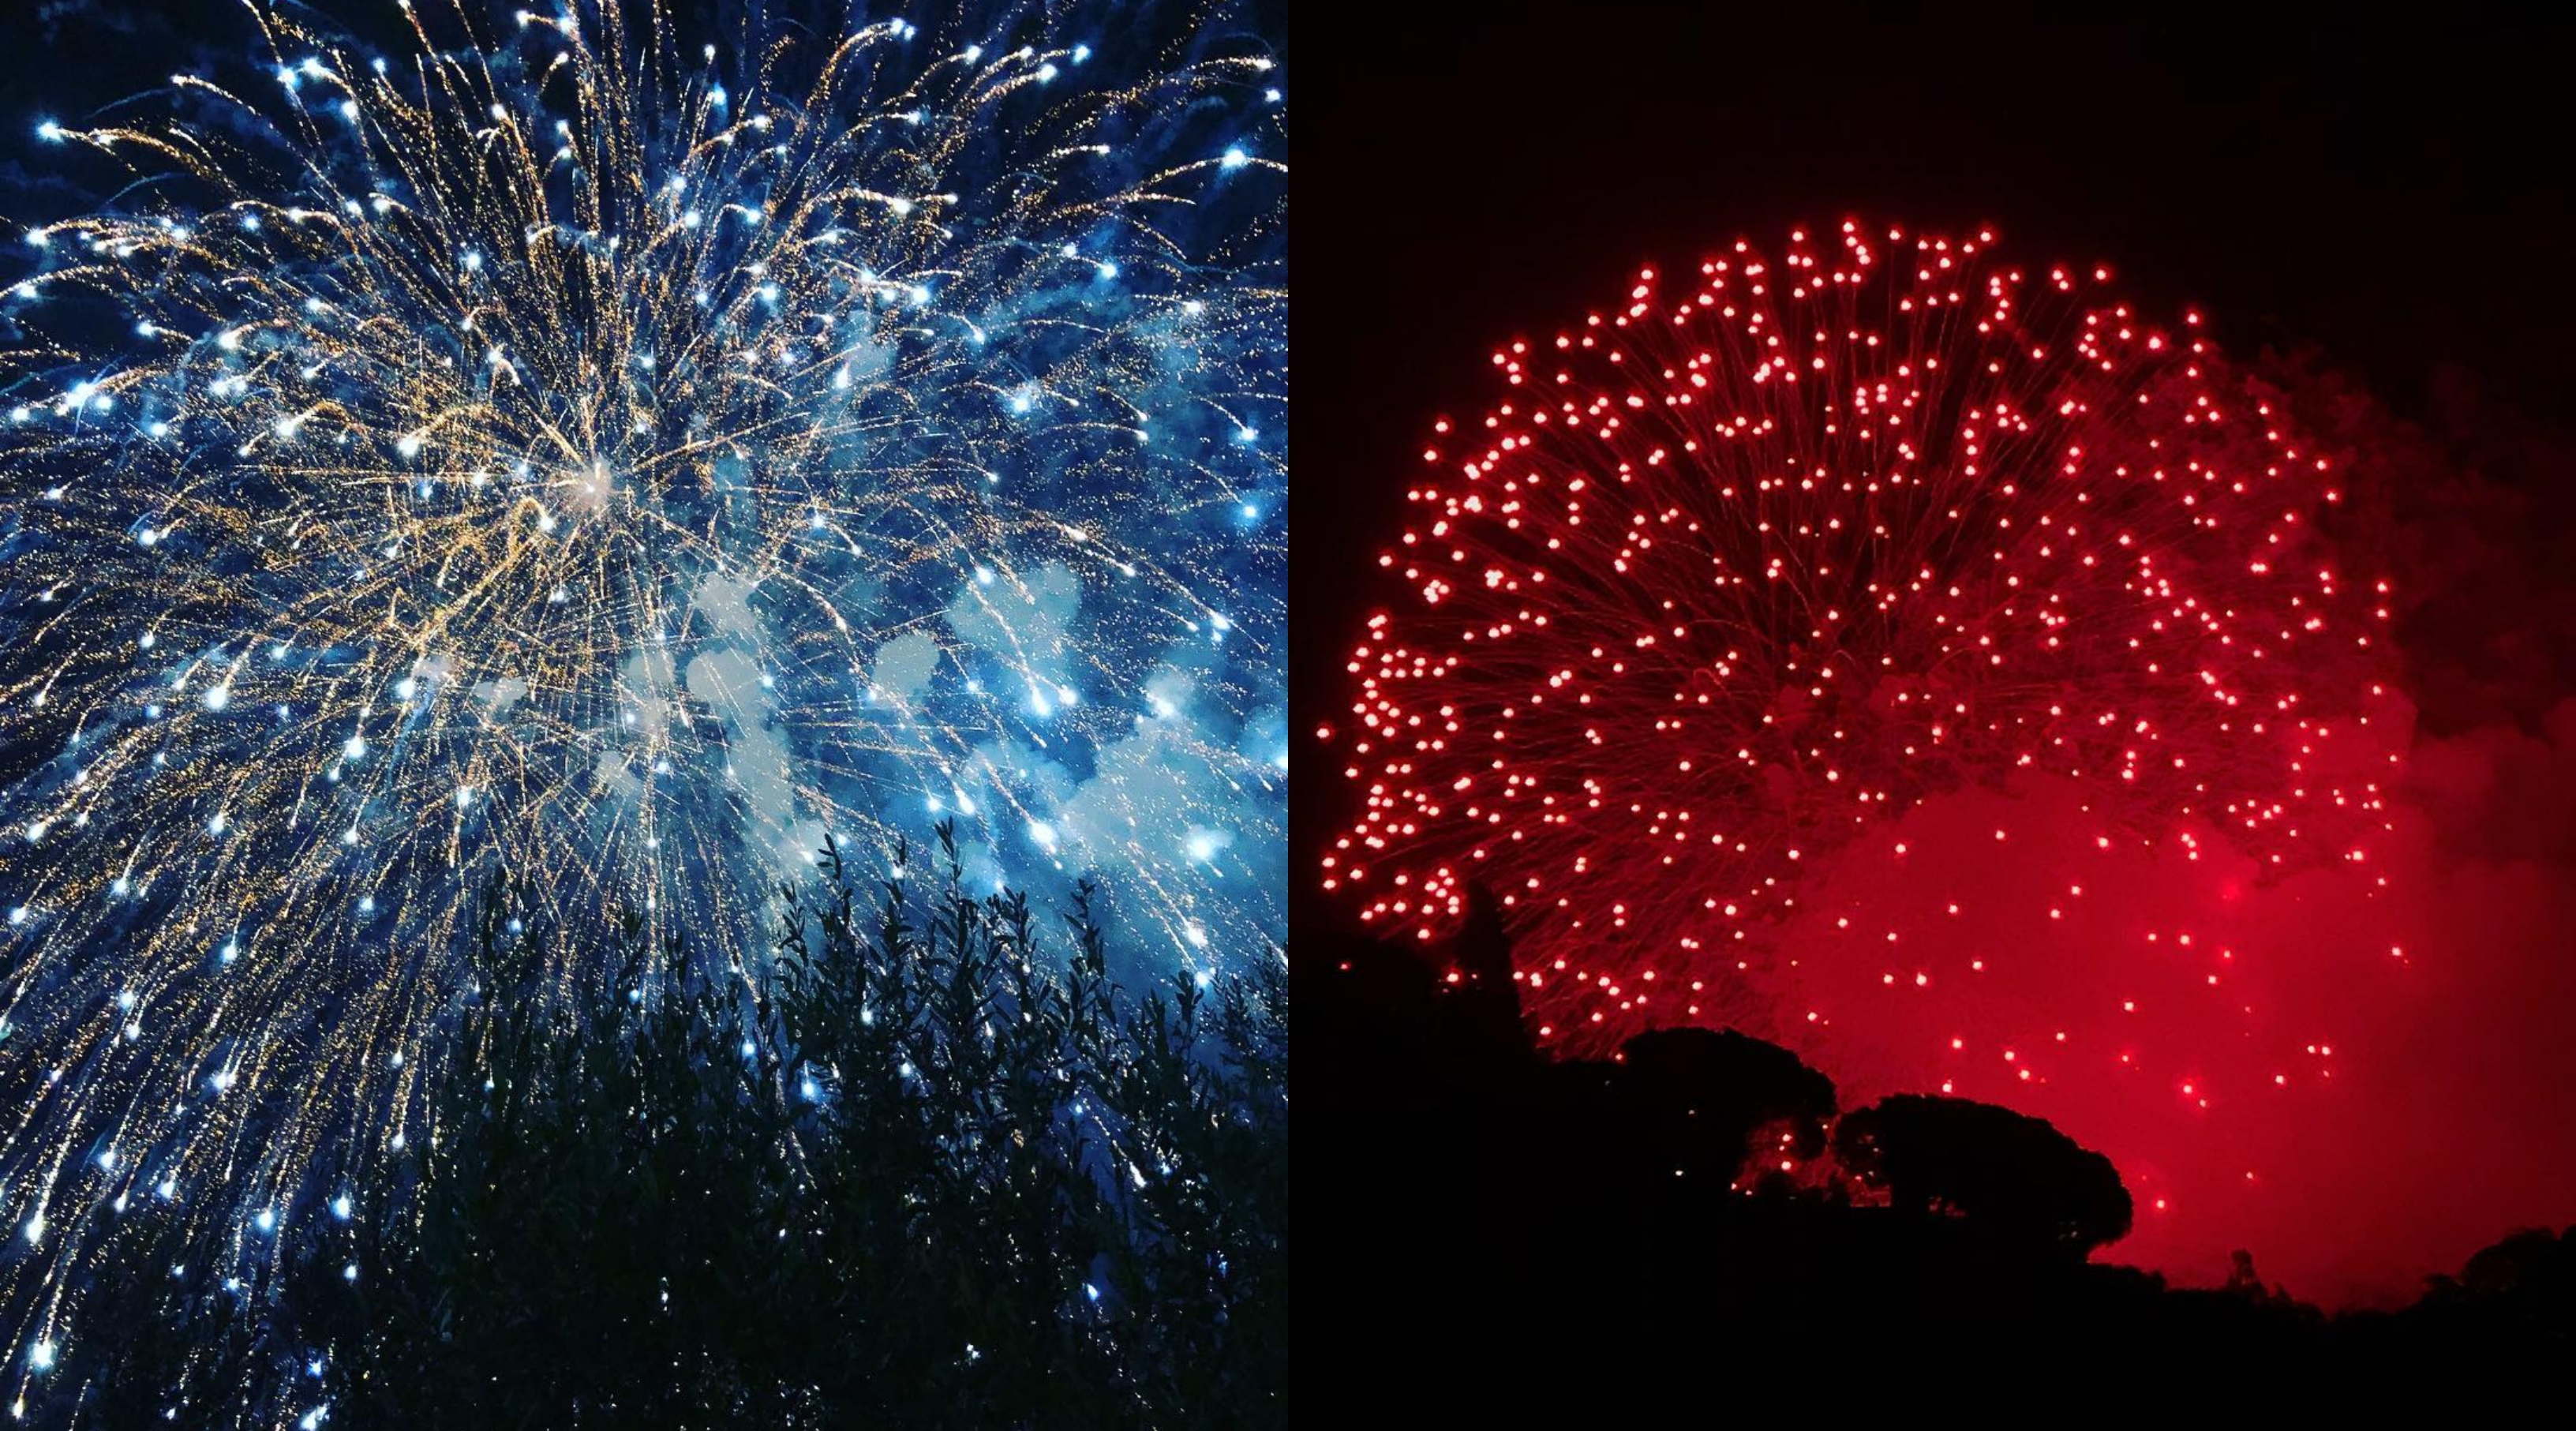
{"points": [[1897, 650], [537, 448]]}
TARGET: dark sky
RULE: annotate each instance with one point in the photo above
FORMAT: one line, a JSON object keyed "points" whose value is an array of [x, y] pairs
{"points": [[2396, 196]]}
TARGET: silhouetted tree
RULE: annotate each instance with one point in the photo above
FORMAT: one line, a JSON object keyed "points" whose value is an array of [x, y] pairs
{"points": [[1699, 1095], [1478, 982], [2010, 1174], [1500, 1209], [926, 1169], [2526, 1281]]}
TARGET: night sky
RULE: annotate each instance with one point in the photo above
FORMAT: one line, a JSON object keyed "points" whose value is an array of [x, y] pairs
{"points": [[2377, 219], [789, 378], [2381, 217]]}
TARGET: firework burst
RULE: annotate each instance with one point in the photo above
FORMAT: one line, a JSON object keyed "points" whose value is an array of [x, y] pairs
{"points": [[1769, 601], [542, 449]]}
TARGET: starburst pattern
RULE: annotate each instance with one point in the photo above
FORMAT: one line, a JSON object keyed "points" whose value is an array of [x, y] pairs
{"points": [[545, 450], [1763, 582]]}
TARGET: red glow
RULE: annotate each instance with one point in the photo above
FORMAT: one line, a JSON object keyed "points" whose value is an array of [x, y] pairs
{"points": [[1800, 601]]}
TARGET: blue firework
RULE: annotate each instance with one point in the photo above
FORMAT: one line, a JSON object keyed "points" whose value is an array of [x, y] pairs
{"points": [[553, 448]]}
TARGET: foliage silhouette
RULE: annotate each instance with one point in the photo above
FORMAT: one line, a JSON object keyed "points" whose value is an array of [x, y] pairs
{"points": [[2011, 1173], [927, 1170], [1531, 1245]]}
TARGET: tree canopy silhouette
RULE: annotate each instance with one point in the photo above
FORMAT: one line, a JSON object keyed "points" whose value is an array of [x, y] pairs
{"points": [[931, 1168], [2008, 1173]]}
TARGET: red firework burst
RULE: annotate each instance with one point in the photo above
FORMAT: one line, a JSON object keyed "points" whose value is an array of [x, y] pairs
{"points": [[1793, 562]]}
